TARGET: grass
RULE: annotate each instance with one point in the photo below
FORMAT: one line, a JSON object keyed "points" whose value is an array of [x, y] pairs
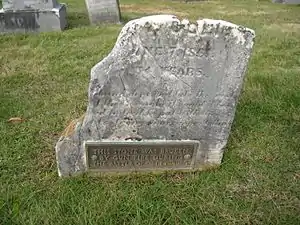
{"points": [[44, 79]]}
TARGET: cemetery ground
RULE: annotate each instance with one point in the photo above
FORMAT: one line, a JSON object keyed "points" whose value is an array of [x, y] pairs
{"points": [[44, 80]]}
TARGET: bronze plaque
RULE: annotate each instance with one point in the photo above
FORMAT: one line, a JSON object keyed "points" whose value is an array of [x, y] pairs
{"points": [[140, 156]]}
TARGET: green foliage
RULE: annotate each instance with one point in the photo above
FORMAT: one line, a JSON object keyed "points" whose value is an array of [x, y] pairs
{"points": [[44, 79]]}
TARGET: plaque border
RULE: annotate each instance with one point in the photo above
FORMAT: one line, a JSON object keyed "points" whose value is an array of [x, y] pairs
{"points": [[196, 144]]}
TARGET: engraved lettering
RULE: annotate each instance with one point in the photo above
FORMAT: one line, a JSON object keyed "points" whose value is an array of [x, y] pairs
{"points": [[106, 156], [190, 71], [181, 71], [180, 52], [159, 51], [172, 51], [190, 52], [199, 72]]}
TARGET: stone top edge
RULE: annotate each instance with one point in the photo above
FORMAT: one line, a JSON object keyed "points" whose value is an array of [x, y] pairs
{"points": [[168, 19], [242, 35], [161, 19]]}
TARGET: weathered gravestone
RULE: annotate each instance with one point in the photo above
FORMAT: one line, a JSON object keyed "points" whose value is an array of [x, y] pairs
{"points": [[287, 1], [163, 99], [103, 11], [32, 16]]}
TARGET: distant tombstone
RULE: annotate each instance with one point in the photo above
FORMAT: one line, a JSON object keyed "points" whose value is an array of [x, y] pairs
{"points": [[287, 1], [163, 99], [32, 16], [103, 11]]}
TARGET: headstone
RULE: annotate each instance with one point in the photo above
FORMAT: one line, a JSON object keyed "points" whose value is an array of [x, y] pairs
{"points": [[287, 1], [103, 11], [32, 16], [163, 99]]}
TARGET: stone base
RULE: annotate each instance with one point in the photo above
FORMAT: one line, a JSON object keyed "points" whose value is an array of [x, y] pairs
{"points": [[23, 21], [96, 18]]}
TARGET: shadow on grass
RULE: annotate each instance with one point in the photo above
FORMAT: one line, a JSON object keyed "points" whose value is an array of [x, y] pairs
{"points": [[126, 17], [77, 19], [80, 19]]}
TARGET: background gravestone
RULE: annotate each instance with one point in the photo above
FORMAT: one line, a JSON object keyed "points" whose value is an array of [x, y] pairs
{"points": [[103, 11], [32, 16], [163, 99], [287, 1]]}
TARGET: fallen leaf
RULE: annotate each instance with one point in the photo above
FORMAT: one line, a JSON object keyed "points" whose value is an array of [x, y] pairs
{"points": [[269, 158], [15, 120]]}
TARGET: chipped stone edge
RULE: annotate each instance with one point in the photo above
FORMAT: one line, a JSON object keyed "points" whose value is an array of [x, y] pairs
{"points": [[66, 136], [237, 30], [168, 20], [156, 20]]}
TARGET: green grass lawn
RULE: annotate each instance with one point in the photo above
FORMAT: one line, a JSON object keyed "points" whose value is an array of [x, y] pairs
{"points": [[44, 79]]}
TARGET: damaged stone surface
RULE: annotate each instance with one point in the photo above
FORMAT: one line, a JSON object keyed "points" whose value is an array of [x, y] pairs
{"points": [[22, 16], [165, 79]]}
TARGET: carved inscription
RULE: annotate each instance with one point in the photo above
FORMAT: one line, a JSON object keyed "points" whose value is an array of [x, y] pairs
{"points": [[134, 156], [179, 52], [181, 71], [192, 82], [27, 20], [186, 84]]}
